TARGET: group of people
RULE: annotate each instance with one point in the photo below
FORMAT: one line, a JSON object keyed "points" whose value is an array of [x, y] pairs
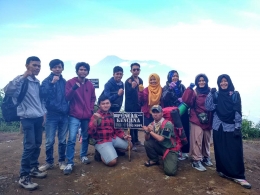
{"points": [[65, 106]]}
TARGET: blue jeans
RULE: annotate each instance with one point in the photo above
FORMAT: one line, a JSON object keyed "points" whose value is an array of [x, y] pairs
{"points": [[32, 140], [56, 122], [74, 124]]}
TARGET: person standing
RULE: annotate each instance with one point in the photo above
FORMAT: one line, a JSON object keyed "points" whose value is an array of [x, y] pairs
{"points": [[200, 122], [171, 96], [114, 89], [131, 97], [53, 92], [80, 93], [31, 111], [227, 136], [150, 96]]}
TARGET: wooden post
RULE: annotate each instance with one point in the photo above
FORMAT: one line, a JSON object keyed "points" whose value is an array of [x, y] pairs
{"points": [[129, 146], [21, 128]]}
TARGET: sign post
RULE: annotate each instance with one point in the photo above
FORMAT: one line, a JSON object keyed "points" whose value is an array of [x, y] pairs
{"points": [[128, 120], [95, 82]]}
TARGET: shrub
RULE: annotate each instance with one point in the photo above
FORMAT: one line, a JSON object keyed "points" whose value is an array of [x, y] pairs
{"points": [[249, 130]]}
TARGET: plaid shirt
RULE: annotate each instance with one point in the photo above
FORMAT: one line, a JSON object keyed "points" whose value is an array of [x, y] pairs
{"points": [[105, 131]]}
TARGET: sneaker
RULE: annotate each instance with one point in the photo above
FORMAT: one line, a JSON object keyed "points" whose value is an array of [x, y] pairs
{"points": [[46, 166], [183, 156], [35, 172], [207, 162], [134, 148], [68, 169], [197, 165], [138, 143], [85, 160], [25, 182], [97, 156], [62, 165]]}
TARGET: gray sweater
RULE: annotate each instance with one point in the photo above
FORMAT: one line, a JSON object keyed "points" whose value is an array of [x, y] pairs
{"points": [[31, 106]]}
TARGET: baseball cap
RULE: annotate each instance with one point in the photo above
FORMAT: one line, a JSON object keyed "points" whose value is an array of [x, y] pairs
{"points": [[157, 108]]}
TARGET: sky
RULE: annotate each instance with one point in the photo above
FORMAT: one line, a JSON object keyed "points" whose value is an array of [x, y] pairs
{"points": [[192, 36]]}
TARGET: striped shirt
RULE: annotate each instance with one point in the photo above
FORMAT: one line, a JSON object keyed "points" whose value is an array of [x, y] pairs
{"points": [[210, 106]]}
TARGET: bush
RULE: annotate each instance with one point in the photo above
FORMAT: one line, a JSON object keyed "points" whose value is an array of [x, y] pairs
{"points": [[249, 130], [9, 127]]}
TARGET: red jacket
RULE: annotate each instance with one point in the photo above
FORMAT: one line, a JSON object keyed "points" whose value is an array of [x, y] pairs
{"points": [[81, 100], [192, 100]]}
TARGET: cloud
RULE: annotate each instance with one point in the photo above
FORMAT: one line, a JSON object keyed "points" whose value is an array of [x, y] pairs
{"points": [[250, 15], [191, 48]]}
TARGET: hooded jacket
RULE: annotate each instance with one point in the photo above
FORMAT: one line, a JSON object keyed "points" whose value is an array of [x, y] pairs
{"points": [[111, 91], [81, 100]]}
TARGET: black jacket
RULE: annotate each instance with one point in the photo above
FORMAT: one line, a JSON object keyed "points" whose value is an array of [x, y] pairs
{"points": [[54, 95], [131, 96], [169, 97], [111, 91]]}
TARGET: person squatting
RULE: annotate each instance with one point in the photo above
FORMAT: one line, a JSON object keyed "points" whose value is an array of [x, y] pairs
{"points": [[65, 106]]}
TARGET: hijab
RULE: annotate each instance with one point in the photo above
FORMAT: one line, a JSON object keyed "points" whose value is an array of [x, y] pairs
{"points": [[226, 108], [170, 75], [155, 91], [205, 89], [178, 83]]}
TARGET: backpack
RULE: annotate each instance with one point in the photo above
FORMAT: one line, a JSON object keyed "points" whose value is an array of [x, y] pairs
{"points": [[233, 96], [9, 109], [176, 142], [172, 114]]}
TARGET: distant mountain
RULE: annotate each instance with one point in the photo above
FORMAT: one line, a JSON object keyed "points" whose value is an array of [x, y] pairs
{"points": [[103, 70]]}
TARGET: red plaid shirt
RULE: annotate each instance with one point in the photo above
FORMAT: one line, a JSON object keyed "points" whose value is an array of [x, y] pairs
{"points": [[105, 131]]}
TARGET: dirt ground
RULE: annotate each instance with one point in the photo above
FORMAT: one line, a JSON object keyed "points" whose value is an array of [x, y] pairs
{"points": [[129, 178]]}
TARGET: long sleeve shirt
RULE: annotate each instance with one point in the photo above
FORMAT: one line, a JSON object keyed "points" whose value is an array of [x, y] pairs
{"points": [[210, 106], [104, 131]]}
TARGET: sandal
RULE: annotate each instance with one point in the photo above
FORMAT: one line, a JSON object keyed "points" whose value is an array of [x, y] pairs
{"points": [[149, 164], [243, 183]]}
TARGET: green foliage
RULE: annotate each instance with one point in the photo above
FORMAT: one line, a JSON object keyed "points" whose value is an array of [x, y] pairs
{"points": [[249, 130], [7, 127]]}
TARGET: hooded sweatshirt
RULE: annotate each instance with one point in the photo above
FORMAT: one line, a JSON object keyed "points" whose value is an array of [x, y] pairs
{"points": [[111, 91], [82, 99]]}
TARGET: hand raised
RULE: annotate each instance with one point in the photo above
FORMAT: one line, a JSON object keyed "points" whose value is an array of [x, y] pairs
{"points": [[27, 73], [213, 90], [134, 84], [192, 85], [96, 116], [55, 79], [120, 92]]}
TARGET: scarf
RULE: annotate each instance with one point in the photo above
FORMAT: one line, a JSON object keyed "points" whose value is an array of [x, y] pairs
{"points": [[205, 89], [158, 125], [155, 91], [226, 108]]}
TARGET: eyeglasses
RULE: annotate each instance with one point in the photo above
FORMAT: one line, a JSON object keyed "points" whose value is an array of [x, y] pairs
{"points": [[136, 69]]}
